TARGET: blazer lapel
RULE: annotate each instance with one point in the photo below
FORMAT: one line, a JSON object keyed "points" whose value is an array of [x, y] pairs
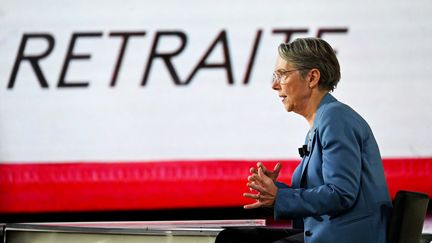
{"points": [[310, 146], [328, 98]]}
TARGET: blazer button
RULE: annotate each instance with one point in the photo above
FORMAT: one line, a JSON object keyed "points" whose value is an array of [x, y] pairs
{"points": [[308, 233]]}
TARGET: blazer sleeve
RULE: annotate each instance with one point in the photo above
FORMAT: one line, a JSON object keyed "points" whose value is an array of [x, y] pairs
{"points": [[339, 135], [281, 185]]}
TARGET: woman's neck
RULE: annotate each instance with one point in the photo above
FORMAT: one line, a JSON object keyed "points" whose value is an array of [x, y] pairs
{"points": [[312, 106]]}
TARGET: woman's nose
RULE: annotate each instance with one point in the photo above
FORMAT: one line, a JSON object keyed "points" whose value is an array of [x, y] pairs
{"points": [[275, 85]]}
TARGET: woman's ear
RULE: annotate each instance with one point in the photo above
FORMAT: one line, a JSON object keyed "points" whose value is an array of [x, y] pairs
{"points": [[314, 78]]}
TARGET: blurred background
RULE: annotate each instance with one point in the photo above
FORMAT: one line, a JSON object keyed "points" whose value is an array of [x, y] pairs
{"points": [[155, 110]]}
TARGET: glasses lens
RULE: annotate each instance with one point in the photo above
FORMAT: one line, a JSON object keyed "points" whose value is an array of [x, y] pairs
{"points": [[276, 78]]}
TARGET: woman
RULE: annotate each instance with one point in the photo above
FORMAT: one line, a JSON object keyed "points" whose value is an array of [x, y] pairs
{"points": [[338, 191]]}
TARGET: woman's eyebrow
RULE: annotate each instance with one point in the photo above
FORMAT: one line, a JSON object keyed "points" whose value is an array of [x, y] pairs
{"points": [[280, 70]]}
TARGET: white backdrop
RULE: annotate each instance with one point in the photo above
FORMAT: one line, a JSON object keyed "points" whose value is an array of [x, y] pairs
{"points": [[385, 56]]}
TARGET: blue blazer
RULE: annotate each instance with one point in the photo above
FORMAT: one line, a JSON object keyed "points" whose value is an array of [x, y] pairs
{"points": [[339, 188]]}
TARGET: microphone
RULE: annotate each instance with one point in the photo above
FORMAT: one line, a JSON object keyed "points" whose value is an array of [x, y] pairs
{"points": [[303, 151]]}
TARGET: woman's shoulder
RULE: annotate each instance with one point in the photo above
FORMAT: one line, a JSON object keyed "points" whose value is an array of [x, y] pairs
{"points": [[339, 113]]}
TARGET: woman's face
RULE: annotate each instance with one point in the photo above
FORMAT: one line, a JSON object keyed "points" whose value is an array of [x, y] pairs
{"points": [[291, 87]]}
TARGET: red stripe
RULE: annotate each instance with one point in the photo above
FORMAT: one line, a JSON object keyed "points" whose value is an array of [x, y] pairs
{"points": [[84, 186]]}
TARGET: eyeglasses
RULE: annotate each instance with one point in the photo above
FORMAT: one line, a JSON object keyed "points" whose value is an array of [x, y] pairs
{"points": [[278, 77]]}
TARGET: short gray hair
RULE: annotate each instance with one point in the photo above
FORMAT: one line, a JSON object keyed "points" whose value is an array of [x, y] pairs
{"points": [[308, 53]]}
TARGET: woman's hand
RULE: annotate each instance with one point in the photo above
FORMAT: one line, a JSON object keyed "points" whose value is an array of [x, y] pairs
{"points": [[265, 188], [272, 174]]}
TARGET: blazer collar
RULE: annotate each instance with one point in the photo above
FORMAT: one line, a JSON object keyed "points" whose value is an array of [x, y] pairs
{"points": [[328, 98]]}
